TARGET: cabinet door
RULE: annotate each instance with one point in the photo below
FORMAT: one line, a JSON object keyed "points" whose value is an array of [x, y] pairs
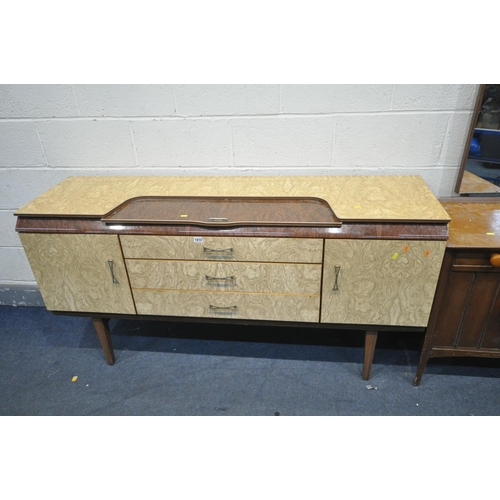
{"points": [[75, 272], [380, 282], [469, 314]]}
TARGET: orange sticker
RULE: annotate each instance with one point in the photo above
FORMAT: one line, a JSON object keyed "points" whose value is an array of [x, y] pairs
{"points": [[427, 252], [405, 249]]}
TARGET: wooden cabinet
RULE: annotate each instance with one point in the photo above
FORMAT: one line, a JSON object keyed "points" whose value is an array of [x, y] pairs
{"points": [[330, 252], [465, 319]]}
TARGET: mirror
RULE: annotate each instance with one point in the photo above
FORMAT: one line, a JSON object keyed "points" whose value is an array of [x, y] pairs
{"points": [[480, 166]]}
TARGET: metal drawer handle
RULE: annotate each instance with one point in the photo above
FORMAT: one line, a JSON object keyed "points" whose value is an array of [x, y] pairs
{"points": [[110, 264], [336, 284], [223, 308], [218, 250], [213, 279], [217, 219]]}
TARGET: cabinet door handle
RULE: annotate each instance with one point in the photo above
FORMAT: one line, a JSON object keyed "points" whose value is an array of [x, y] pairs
{"points": [[223, 308], [110, 264], [214, 280], [336, 284], [225, 251]]}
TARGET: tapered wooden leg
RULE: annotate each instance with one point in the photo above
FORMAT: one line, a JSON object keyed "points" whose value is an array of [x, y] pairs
{"points": [[370, 342], [424, 356], [102, 330]]}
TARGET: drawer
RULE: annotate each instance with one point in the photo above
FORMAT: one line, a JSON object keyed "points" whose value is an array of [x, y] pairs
{"points": [[306, 250], [225, 276], [474, 261], [257, 306]]}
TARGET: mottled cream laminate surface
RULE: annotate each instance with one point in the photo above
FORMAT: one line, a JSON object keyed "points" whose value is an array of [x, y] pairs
{"points": [[307, 250], [73, 272], [380, 282], [225, 276], [257, 306], [397, 198]]}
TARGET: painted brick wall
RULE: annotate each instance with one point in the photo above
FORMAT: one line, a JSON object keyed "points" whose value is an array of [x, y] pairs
{"points": [[49, 132]]}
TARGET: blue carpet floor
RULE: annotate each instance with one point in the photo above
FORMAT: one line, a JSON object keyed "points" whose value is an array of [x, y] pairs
{"points": [[205, 369]]}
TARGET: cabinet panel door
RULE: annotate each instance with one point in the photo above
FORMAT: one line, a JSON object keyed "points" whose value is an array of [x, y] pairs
{"points": [[380, 282], [469, 315], [73, 272]]}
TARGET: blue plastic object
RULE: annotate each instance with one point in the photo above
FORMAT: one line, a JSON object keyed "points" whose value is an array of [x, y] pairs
{"points": [[475, 148]]}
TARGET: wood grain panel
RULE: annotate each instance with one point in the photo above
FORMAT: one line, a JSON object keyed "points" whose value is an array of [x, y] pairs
{"points": [[474, 224], [218, 248], [366, 198], [73, 273], [248, 305], [380, 282], [453, 306], [356, 230], [491, 338], [222, 212], [480, 303], [225, 276]]}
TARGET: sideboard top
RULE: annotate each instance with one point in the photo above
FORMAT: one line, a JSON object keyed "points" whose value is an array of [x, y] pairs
{"points": [[352, 198], [475, 222]]}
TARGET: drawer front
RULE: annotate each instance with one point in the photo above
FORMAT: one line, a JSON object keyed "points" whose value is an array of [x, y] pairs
{"points": [[474, 261], [257, 306], [306, 250], [225, 276]]}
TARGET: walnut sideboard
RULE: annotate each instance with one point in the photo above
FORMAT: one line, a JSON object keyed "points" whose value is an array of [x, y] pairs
{"points": [[351, 252], [465, 317]]}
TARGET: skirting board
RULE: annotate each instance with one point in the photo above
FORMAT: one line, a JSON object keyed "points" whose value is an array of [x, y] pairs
{"points": [[20, 295]]}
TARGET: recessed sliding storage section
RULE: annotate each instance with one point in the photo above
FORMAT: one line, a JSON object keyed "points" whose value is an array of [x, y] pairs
{"points": [[241, 278], [79, 272], [380, 282]]}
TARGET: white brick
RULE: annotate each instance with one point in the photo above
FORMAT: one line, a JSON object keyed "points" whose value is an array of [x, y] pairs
{"points": [[37, 101], [125, 100], [282, 141], [335, 98], [205, 100], [20, 145], [389, 140], [93, 143], [455, 144], [434, 97], [8, 235], [179, 142], [14, 265], [8, 192], [441, 180], [447, 180], [19, 186]]}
